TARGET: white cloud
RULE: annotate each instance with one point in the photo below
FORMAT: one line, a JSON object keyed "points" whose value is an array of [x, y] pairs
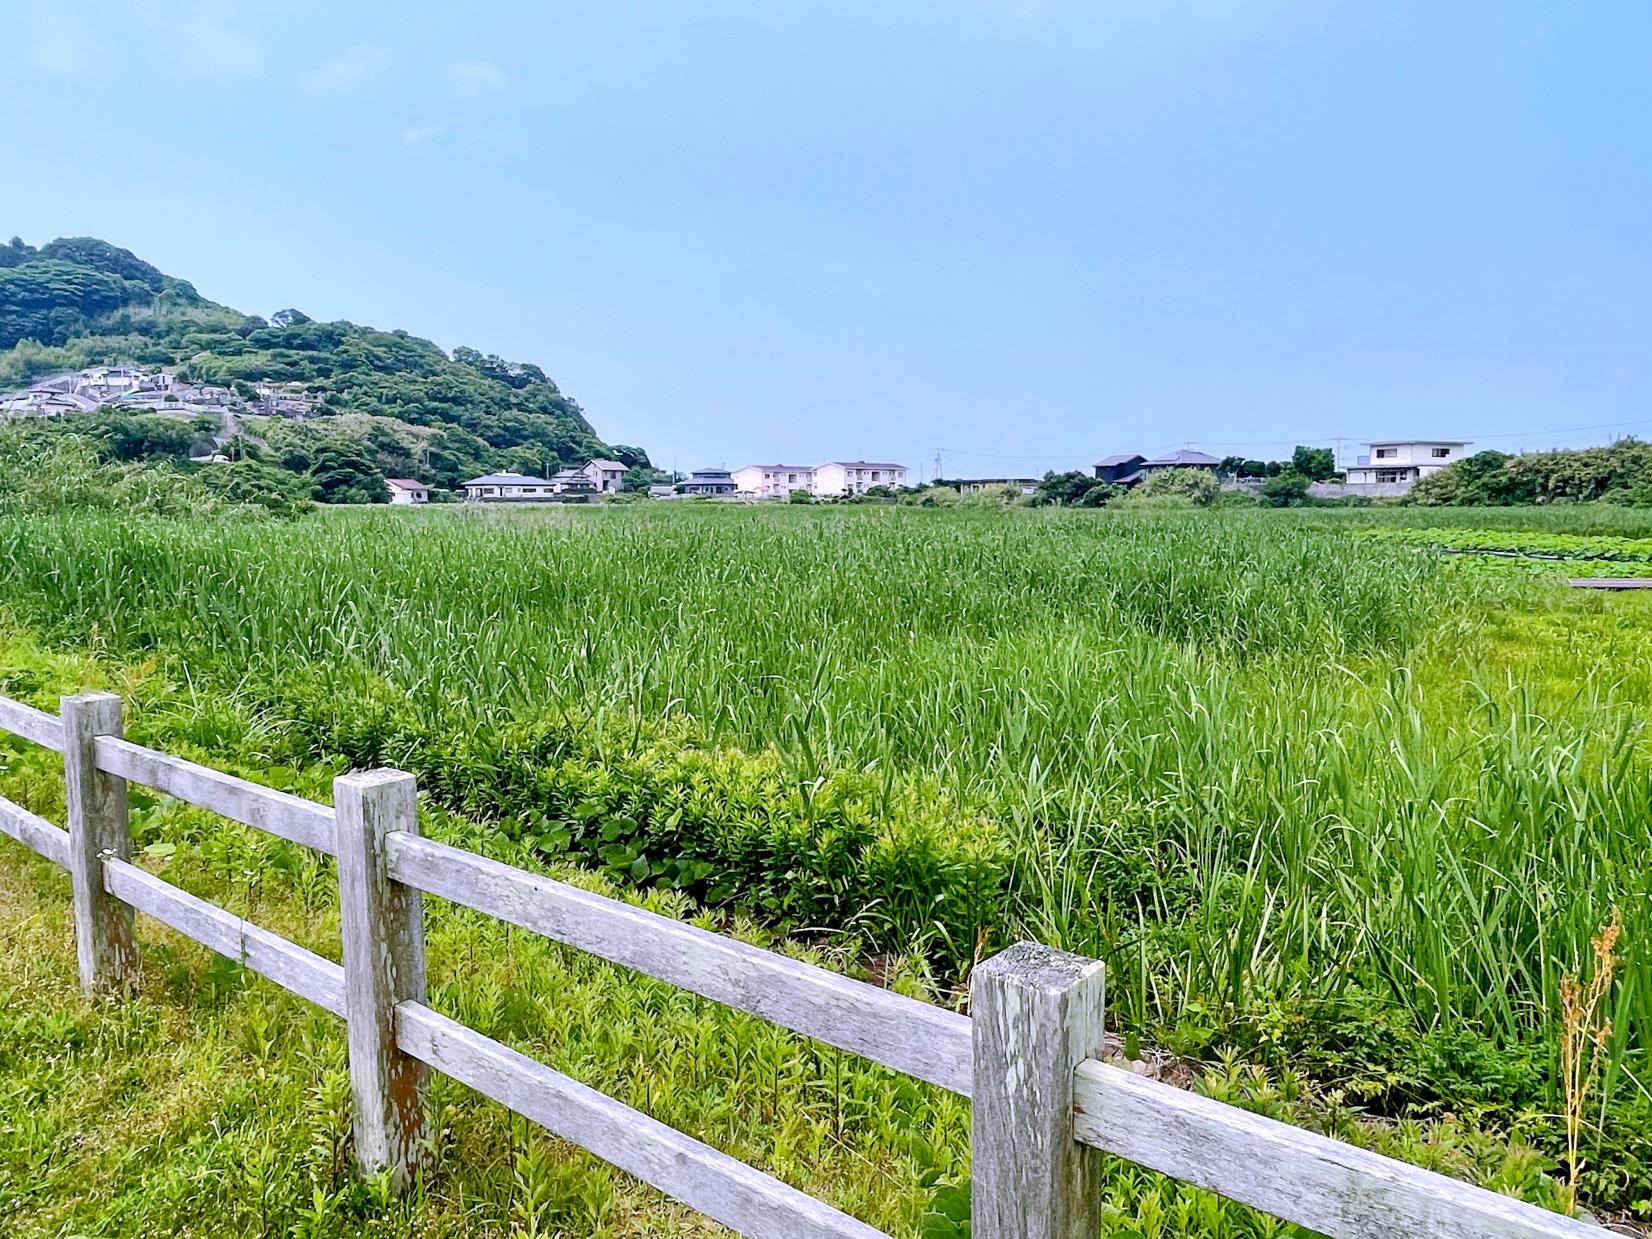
{"points": [[223, 52], [472, 79], [359, 67], [416, 137]]}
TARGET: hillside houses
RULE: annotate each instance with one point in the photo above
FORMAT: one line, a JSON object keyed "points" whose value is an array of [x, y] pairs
{"points": [[139, 390]]}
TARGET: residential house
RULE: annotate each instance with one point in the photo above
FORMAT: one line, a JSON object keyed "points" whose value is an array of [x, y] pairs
{"points": [[1127, 470], [1184, 459], [1404, 460], [606, 475], [508, 488], [43, 402], [1121, 470], [856, 477], [773, 481], [571, 482], [707, 482], [405, 491]]}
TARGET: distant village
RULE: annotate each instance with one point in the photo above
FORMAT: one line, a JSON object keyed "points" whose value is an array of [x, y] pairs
{"points": [[137, 390], [1389, 469]]}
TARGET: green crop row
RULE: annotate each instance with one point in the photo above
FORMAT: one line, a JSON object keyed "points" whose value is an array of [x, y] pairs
{"points": [[1533, 543]]}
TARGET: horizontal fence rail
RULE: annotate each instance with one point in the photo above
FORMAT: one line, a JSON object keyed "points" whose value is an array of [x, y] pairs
{"points": [[917, 1038], [729, 1191], [289, 965], [1324, 1184], [277, 813], [1045, 1105], [35, 833], [34, 725]]}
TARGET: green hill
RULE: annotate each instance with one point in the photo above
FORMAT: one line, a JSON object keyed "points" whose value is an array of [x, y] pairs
{"points": [[79, 301]]}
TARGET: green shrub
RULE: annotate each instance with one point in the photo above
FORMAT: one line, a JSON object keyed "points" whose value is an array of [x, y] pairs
{"points": [[1191, 488]]}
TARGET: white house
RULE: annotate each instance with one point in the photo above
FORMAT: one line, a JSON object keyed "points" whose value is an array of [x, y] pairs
{"points": [[508, 488], [605, 475], [854, 477], [404, 491], [1404, 460], [773, 481]]}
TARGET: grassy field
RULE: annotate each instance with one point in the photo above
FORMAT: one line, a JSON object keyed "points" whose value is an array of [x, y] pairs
{"points": [[1339, 811]]}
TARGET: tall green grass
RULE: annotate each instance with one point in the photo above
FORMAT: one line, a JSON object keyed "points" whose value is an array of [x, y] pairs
{"points": [[1320, 797]]}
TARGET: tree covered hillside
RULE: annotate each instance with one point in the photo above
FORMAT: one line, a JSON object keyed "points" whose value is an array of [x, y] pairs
{"points": [[79, 301]]}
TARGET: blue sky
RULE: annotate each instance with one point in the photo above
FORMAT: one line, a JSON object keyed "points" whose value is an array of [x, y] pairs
{"points": [[1025, 232]]}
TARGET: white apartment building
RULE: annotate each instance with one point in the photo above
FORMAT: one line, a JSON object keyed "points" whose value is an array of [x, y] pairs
{"points": [[855, 477], [1404, 460], [773, 481]]}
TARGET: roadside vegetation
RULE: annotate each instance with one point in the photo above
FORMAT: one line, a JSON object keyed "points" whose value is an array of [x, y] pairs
{"points": [[1344, 821]]}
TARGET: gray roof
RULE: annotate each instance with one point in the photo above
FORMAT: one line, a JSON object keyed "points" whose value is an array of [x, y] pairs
{"points": [[711, 475], [864, 464], [1186, 457], [793, 468], [1122, 458], [507, 479], [600, 463]]}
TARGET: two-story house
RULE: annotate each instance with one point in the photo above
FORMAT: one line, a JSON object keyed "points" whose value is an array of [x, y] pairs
{"points": [[1404, 460], [605, 475]]}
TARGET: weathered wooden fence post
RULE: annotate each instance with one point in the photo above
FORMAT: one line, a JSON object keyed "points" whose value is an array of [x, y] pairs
{"points": [[1037, 1015], [381, 923], [104, 945]]}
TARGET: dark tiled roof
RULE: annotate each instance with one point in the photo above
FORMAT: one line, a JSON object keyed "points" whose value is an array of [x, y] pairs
{"points": [[1186, 457]]}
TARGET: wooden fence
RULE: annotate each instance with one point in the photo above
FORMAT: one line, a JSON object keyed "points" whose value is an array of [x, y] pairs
{"points": [[1046, 1108]]}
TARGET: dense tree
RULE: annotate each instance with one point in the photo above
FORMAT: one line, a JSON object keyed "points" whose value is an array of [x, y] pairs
{"points": [[630, 457], [1287, 489], [125, 436], [1317, 464], [1065, 489], [1618, 473], [1197, 487], [638, 478], [345, 473], [15, 254]]}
